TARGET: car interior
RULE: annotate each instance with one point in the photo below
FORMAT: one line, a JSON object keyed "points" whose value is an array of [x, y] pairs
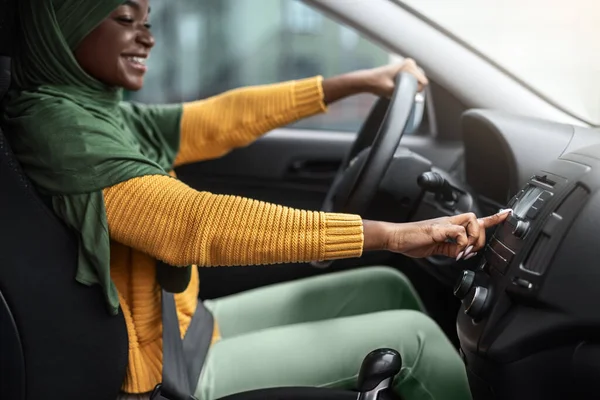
{"points": [[521, 314]]}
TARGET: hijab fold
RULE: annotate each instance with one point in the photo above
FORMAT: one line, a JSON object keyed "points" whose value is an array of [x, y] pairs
{"points": [[73, 135]]}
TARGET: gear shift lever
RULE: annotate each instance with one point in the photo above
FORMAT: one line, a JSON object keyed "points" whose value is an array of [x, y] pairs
{"points": [[377, 372]]}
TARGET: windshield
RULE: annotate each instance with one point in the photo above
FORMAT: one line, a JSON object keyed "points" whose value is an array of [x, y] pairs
{"points": [[553, 46]]}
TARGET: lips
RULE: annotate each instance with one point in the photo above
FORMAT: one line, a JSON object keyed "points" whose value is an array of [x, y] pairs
{"points": [[137, 62]]}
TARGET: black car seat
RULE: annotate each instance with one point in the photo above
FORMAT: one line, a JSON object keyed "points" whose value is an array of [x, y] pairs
{"points": [[57, 340]]}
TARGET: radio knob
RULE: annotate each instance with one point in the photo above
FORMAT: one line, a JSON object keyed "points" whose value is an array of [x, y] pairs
{"points": [[521, 229], [475, 302], [464, 284]]}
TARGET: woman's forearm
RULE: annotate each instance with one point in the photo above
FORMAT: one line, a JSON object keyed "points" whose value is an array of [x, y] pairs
{"points": [[210, 128], [176, 224], [346, 85], [376, 234]]}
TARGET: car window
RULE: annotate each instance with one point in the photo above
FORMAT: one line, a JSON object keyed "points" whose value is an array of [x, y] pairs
{"points": [[207, 47], [552, 46]]}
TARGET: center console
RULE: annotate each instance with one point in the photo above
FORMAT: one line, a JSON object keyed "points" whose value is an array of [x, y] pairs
{"points": [[529, 326]]}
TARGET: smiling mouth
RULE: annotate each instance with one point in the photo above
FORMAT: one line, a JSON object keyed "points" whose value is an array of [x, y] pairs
{"points": [[137, 60], [137, 63]]}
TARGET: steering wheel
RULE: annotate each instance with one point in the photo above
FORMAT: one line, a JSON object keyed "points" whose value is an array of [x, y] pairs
{"points": [[355, 183]]}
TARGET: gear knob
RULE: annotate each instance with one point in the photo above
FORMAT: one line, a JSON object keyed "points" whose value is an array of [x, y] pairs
{"points": [[377, 371]]}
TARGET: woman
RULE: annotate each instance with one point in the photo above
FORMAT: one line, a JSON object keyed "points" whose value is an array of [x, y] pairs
{"points": [[105, 165]]}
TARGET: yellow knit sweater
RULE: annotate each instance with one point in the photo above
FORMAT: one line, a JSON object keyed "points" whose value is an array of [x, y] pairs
{"points": [[157, 217]]}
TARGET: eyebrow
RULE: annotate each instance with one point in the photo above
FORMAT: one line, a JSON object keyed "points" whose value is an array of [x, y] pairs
{"points": [[135, 4]]}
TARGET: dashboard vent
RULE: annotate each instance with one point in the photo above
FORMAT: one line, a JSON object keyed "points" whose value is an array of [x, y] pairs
{"points": [[553, 231]]}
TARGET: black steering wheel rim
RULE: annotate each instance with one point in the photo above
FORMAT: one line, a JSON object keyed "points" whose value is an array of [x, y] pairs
{"points": [[391, 128]]}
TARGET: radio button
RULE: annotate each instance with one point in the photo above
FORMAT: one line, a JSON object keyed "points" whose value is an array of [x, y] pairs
{"points": [[535, 209], [475, 302], [464, 285], [521, 229], [533, 212], [545, 196], [503, 251], [495, 260], [523, 283]]}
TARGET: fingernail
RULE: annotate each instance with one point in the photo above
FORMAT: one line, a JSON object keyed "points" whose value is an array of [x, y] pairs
{"points": [[470, 256], [460, 255], [505, 210], [468, 250]]}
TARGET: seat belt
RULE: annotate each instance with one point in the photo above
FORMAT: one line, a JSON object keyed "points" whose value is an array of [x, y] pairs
{"points": [[182, 359]]}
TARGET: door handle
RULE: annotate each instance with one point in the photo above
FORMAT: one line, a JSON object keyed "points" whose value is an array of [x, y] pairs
{"points": [[314, 169]]}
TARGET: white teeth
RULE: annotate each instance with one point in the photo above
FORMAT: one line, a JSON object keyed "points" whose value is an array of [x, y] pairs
{"points": [[138, 60]]}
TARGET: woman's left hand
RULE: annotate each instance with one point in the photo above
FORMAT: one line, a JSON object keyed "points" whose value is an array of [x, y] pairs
{"points": [[382, 79]]}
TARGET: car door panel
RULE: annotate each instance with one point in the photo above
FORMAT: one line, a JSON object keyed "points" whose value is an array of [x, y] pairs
{"points": [[289, 167], [295, 167]]}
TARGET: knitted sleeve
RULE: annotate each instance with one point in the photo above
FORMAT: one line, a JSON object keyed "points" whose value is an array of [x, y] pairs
{"points": [[172, 222], [210, 128]]}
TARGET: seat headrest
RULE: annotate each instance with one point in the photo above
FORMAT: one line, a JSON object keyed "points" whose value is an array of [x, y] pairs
{"points": [[7, 38], [8, 10]]}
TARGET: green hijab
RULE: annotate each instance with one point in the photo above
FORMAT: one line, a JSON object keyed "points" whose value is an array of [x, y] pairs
{"points": [[73, 135]]}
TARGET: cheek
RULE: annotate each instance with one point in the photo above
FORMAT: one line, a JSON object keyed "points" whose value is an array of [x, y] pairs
{"points": [[101, 65], [108, 55]]}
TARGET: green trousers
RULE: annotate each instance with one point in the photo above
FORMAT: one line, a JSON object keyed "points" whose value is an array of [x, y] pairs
{"points": [[316, 332]]}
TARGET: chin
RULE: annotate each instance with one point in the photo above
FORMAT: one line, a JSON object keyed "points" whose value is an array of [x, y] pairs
{"points": [[133, 86]]}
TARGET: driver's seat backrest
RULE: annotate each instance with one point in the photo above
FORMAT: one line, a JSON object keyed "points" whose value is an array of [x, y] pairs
{"points": [[57, 339]]}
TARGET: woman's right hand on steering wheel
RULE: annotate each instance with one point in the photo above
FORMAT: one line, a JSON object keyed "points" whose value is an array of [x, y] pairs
{"points": [[456, 236]]}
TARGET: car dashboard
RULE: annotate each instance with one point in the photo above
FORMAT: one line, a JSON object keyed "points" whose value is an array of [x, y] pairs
{"points": [[502, 151], [528, 326]]}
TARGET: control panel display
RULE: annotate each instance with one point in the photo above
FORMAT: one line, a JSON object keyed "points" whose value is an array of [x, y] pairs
{"points": [[526, 201]]}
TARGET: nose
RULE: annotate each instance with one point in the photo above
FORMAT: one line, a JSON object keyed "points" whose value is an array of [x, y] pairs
{"points": [[146, 38]]}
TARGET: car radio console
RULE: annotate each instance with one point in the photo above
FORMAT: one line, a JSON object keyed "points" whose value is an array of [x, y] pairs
{"points": [[530, 323]]}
